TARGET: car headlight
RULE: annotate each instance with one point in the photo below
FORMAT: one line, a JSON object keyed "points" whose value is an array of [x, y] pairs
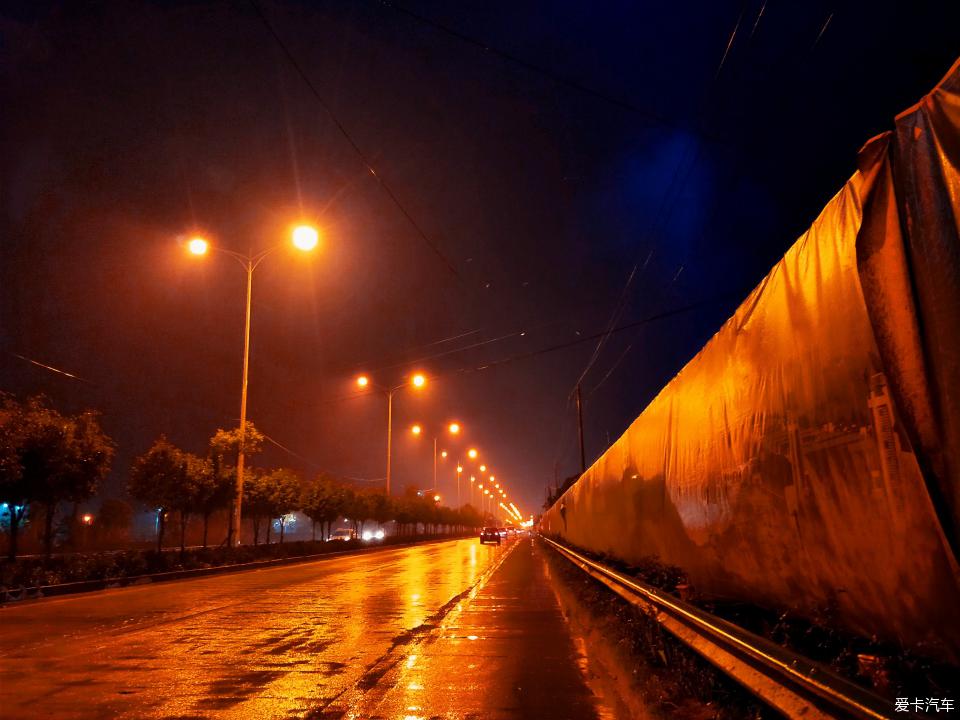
{"points": [[367, 535]]}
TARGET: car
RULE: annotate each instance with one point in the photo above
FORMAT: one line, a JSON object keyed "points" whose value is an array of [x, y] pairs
{"points": [[502, 532], [369, 535], [489, 534], [342, 535], [511, 532]]}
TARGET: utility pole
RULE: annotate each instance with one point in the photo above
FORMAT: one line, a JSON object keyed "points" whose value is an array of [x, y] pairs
{"points": [[583, 457]]}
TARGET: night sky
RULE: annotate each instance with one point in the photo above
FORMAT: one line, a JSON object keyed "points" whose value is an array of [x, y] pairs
{"points": [[537, 153]]}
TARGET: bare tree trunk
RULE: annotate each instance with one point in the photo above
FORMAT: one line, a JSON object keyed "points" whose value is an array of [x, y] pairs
{"points": [[49, 511], [313, 529], [183, 532], [256, 530], [206, 523], [269, 528], [15, 516], [161, 523], [282, 524]]}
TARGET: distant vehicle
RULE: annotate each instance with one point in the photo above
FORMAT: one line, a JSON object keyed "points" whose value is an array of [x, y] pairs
{"points": [[511, 532], [502, 532], [343, 535], [490, 534], [370, 535]]}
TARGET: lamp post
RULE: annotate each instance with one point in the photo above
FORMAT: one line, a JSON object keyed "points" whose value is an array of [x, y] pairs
{"points": [[418, 381], [452, 428], [304, 238]]}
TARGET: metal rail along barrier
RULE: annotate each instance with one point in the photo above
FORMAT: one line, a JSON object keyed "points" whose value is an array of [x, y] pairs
{"points": [[792, 684]]}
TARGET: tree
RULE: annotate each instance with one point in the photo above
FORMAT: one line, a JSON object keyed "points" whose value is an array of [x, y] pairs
{"points": [[214, 490], [194, 472], [157, 479], [323, 503], [224, 448], [60, 458], [360, 509], [285, 492], [226, 443], [381, 508], [257, 503]]}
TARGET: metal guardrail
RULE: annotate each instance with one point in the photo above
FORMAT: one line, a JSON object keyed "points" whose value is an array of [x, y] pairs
{"points": [[792, 684]]}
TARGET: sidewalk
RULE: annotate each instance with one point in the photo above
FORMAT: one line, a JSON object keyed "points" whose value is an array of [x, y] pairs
{"points": [[505, 652]]}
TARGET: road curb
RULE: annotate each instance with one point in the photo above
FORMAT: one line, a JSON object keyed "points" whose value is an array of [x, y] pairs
{"points": [[45, 591]]}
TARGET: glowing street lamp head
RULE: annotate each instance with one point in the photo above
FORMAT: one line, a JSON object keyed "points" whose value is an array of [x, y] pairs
{"points": [[483, 468], [363, 381], [416, 429], [198, 246], [443, 453], [460, 470], [305, 237], [492, 478], [418, 380], [454, 428], [436, 498], [486, 492], [472, 453]]}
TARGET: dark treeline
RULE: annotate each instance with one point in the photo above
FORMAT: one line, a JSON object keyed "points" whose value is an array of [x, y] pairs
{"points": [[49, 461]]}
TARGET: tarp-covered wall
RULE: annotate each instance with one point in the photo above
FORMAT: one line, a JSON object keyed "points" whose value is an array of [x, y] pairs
{"points": [[808, 456]]}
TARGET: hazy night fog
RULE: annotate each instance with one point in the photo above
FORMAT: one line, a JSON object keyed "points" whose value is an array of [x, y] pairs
{"points": [[524, 184]]}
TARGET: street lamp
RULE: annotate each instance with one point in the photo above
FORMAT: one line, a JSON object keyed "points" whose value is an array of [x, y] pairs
{"points": [[303, 237], [453, 429], [418, 380]]}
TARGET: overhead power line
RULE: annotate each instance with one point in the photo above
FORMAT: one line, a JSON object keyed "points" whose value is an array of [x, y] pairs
{"points": [[651, 115], [384, 185]]}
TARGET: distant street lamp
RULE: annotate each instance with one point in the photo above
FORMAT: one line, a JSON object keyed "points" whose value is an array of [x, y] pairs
{"points": [[418, 381], [453, 429], [303, 237]]}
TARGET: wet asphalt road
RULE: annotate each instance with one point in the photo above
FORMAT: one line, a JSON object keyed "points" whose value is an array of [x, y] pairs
{"points": [[452, 630]]}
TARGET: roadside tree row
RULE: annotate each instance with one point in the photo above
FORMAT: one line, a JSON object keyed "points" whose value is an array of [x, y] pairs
{"points": [[173, 481]]}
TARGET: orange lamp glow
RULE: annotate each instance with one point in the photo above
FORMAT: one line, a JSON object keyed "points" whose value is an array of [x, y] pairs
{"points": [[419, 380], [416, 429], [454, 428], [436, 498], [363, 381], [305, 237], [483, 468], [198, 246], [459, 468], [443, 453], [472, 453]]}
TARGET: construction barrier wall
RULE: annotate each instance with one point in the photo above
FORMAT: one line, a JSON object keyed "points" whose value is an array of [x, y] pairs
{"points": [[807, 457]]}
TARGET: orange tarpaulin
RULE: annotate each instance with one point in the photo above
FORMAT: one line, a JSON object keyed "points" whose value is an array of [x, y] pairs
{"points": [[807, 457]]}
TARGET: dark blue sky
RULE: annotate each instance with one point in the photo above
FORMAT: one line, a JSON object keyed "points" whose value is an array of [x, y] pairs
{"points": [[589, 139]]}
